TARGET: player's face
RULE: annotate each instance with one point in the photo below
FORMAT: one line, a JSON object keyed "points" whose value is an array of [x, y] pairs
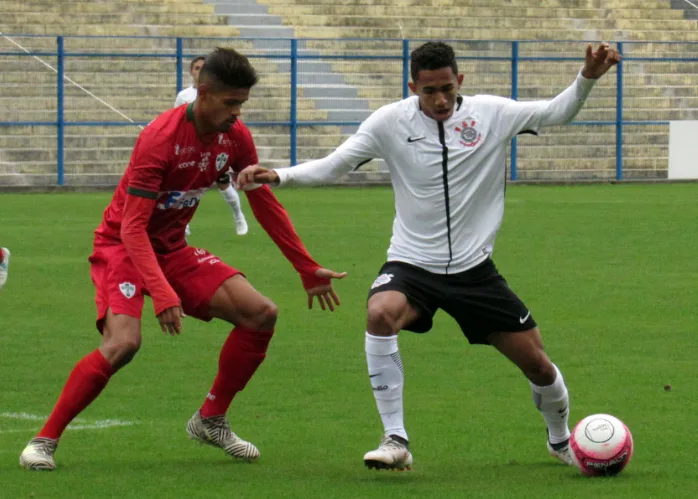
{"points": [[221, 108], [437, 90], [195, 70]]}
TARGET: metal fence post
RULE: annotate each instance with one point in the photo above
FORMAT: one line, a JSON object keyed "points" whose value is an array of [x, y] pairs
{"points": [[294, 101], [514, 95], [619, 116], [405, 68], [180, 57], [60, 118]]}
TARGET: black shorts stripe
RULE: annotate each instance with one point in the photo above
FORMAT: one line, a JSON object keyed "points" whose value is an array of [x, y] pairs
{"points": [[142, 193]]}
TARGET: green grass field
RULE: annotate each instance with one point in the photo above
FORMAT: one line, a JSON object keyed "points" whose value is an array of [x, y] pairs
{"points": [[610, 273]]}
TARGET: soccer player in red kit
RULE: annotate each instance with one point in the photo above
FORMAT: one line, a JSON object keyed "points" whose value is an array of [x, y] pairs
{"points": [[140, 249]]}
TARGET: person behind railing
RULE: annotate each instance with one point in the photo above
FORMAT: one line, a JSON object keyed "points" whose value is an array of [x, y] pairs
{"points": [[226, 189]]}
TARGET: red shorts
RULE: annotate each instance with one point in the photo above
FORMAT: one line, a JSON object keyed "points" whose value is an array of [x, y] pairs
{"points": [[194, 274]]}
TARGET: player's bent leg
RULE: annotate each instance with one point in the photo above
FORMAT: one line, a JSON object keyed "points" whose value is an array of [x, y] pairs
{"points": [[238, 302], [525, 349], [254, 317], [121, 339], [120, 343], [388, 312]]}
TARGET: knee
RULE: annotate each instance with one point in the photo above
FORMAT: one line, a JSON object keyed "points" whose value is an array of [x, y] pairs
{"points": [[540, 371], [120, 351], [380, 321], [263, 319]]}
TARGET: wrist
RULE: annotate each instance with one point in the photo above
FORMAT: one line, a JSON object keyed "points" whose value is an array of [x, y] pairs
{"points": [[588, 74]]}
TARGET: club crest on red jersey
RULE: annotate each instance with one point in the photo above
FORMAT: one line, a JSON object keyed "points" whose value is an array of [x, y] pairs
{"points": [[221, 161], [470, 136]]}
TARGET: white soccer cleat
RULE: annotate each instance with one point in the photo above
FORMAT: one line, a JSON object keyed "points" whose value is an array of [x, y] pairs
{"points": [[216, 431], [561, 452], [38, 454], [240, 224], [4, 266], [391, 454]]}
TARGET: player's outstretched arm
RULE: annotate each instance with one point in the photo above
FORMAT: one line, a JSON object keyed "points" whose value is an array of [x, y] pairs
{"points": [[363, 146], [565, 106], [274, 219], [515, 117], [319, 171]]}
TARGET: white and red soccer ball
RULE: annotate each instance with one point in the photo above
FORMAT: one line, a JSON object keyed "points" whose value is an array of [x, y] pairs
{"points": [[601, 445]]}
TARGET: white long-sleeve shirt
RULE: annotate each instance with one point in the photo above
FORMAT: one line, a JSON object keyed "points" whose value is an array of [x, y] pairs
{"points": [[186, 96], [448, 177]]}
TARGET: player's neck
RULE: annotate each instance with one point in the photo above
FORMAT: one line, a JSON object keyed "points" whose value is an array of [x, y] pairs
{"points": [[202, 130]]}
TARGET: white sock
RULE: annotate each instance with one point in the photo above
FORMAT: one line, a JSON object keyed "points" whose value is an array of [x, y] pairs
{"points": [[387, 379], [554, 404], [232, 198]]}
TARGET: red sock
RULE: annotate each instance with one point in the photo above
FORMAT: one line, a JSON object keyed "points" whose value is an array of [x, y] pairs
{"points": [[86, 381], [241, 355]]}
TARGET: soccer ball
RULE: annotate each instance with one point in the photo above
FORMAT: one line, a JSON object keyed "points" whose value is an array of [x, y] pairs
{"points": [[601, 445]]}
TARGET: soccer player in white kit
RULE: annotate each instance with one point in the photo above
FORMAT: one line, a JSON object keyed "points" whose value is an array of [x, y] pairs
{"points": [[446, 154], [226, 189]]}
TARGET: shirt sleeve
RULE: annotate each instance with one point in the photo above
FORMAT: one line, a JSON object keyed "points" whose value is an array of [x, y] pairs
{"points": [[274, 219], [134, 235], [146, 172], [366, 144], [179, 101], [514, 117], [149, 163]]}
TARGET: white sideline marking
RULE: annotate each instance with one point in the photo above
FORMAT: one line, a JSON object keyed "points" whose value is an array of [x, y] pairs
{"points": [[82, 423], [101, 101]]}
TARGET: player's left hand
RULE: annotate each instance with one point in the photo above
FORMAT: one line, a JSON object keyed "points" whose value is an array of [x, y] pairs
{"points": [[325, 294], [599, 61]]}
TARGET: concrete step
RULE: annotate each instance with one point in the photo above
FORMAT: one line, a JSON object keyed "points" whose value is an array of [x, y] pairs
{"points": [[511, 5], [424, 11], [58, 19]]}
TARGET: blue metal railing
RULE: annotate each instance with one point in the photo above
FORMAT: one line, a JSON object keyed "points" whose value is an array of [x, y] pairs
{"points": [[294, 54]]}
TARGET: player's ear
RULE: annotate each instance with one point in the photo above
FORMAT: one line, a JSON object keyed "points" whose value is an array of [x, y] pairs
{"points": [[460, 80], [203, 90], [413, 87]]}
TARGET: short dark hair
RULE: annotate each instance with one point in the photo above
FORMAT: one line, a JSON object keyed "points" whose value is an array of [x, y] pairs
{"points": [[195, 60], [432, 55], [229, 68]]}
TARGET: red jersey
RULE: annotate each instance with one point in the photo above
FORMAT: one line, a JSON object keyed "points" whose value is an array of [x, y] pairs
{"points": [[171, 162], [170, 169]]}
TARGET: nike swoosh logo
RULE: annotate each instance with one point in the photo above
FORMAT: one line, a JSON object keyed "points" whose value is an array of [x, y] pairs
{"points": [[374, 375], [525, 318], [415, 139]]}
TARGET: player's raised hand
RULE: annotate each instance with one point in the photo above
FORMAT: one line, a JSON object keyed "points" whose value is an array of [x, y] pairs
{"points": [[599, 61], [171, 320], [255, 174], [326, 295]]}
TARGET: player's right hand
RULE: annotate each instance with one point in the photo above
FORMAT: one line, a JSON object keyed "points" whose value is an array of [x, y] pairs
{"points": [[171, 320], [256, 174]]}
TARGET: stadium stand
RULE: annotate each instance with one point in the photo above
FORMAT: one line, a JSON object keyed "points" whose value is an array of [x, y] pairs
{"points": [[335, 89]]}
